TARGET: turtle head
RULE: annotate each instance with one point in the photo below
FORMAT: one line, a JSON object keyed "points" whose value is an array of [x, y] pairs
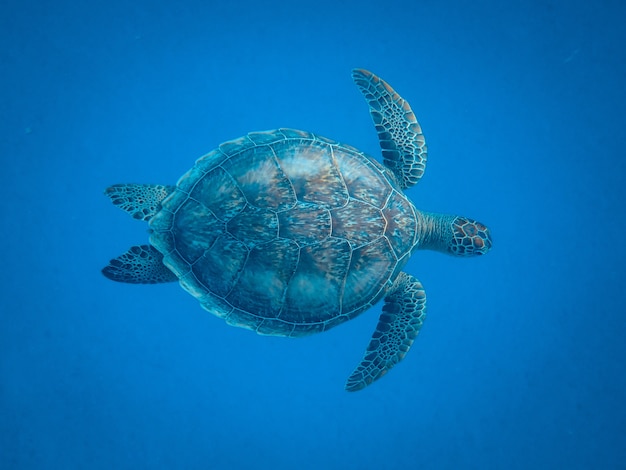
{"points": [[468, 237], [452, 234]]}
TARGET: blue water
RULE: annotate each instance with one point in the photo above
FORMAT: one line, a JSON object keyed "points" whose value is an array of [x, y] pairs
{"points": [[521, 361]]}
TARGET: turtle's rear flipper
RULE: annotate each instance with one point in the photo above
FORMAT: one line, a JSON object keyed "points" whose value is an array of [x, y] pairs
{"points": [[139, 265], [403, 314], [141, 201]]}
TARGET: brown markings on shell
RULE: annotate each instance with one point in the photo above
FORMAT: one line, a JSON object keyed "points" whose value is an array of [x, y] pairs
{"points": [[261, 180], [363, 177], [311, 169], [219, 192], [358, 222], [401, 227], [304, 223]]}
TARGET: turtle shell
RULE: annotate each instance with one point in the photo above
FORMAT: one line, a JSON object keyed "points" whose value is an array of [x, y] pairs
{"points": [[285, 232]]}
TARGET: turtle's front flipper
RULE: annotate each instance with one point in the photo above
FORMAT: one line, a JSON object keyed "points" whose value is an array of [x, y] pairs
{"points": [[400, 135], [139, 265], [403, 314], [141, 201]]}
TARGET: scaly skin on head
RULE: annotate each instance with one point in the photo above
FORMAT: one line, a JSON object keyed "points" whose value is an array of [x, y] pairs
{"points": [[453, 234]]}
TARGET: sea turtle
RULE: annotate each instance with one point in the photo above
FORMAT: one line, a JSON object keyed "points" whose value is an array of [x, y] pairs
{"points": [[288, 233]]}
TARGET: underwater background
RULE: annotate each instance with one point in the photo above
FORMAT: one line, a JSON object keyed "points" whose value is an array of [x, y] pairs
{"points": [[521, 361]]}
